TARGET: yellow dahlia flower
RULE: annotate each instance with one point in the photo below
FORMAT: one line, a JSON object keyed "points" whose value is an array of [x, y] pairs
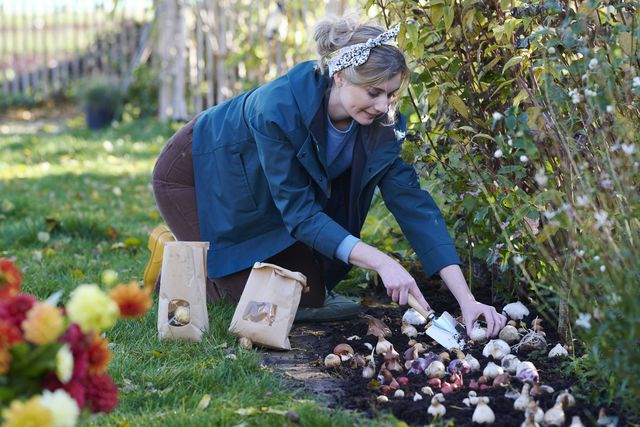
{"points": [[92, 309], [44, 324], [29, 413]]}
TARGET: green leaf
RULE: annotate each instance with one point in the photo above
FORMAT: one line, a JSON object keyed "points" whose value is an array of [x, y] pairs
{"points": [[480, 214], [448, 17], [509, 168], [512, 62]]}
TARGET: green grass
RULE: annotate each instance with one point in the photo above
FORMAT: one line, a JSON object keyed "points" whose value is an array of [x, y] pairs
{"points": [[78, 186]]}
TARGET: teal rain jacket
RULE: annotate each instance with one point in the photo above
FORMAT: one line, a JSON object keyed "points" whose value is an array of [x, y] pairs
{"points": [[262, 183]]}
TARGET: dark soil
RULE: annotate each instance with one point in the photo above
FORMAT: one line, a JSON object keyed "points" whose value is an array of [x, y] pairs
{"points": [[346, 388]]}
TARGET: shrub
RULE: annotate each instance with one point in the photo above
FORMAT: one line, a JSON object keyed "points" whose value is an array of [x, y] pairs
{"points": [[102, 92], [526, 114]]}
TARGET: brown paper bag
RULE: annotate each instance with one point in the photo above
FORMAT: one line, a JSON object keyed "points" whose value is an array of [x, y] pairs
{"points": [[268, 305], [182, 306]]}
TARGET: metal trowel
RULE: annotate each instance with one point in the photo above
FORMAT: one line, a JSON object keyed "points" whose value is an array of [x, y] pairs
{"points": [[444, 329]]}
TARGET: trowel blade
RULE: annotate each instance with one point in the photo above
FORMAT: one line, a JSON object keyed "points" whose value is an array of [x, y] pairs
{"points": [[446, 339]]}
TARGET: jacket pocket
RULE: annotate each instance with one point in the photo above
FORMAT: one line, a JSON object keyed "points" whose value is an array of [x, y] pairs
{"points": [[307, 155], [240, 184]]}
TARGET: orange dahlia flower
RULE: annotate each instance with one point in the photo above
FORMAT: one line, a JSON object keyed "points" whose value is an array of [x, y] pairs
{"points": [[10, 279], [132, 299], [99, 354], [44, 324]]}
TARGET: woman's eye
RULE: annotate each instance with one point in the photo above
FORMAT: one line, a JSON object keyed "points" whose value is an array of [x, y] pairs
{"points": [[374, 94]]}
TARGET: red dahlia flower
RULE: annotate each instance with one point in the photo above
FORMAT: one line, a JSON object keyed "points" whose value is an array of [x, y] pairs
{"points": [[9, 333], [102, 393], [15, 309]]}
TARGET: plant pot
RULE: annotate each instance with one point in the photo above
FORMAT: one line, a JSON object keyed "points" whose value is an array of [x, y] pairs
{"points": [[99, 117]]}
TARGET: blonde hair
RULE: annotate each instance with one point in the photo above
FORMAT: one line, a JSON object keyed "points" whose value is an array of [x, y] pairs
{"points": [[385, 61]]}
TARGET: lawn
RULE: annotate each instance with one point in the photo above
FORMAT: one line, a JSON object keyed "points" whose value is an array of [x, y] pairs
{"points": [[75, 203]]}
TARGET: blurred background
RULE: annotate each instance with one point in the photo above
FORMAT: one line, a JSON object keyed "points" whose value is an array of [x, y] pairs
{"points": [[164, 58]]}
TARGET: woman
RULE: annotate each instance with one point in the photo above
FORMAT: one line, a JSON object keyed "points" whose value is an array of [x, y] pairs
{"points": [[286, 172]]}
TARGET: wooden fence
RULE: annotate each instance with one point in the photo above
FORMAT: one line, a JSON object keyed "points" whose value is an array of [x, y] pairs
{"points": [[209, 50], [46, 45], [204, 51]]}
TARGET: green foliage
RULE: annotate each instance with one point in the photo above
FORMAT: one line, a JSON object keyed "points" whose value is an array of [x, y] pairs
{"points": [[141, 99], [76, 203], [101, 92], [527, 115], [9, 101]]}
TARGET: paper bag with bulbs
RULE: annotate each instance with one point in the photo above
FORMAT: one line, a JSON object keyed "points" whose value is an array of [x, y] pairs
{"points": [[182, 306], [268, 305]]}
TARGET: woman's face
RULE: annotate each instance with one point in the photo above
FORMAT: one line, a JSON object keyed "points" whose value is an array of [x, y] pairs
{"points": [[362, 103]]}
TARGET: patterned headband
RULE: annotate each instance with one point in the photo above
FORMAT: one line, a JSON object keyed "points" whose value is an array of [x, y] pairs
{"points": [[357, 54]]}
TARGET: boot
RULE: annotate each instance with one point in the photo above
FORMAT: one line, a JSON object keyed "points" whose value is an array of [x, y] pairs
{"points": [[157, 238], [336, 307]]}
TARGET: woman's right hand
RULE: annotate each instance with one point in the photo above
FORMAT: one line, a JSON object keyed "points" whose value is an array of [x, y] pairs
{"points": [[396, 279], [400, 283]]}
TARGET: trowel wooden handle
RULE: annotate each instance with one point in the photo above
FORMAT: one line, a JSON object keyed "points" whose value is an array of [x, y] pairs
{"points": [[413, 302]]}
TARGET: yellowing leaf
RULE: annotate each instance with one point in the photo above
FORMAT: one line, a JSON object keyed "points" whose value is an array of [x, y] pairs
{"points": [[523, 94], [437, 11], [510, 63], [76, 273], [483, 135], [532, 116], [204, 402], [434, 95], [458, 104], [626, 42], [247, 411], [132, 242]]}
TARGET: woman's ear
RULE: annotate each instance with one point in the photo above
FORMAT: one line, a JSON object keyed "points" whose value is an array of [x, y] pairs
{"points": [[338, 79]]}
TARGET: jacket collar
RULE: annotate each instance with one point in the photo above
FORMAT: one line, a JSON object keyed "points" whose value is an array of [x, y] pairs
{"points": [[308, 87]]}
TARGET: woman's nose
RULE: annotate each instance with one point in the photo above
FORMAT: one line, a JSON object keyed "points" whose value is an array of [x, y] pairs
{"points": [[382, 104]]}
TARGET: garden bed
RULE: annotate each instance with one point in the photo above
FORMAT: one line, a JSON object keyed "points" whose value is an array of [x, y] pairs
{"points": [[345, 387]]}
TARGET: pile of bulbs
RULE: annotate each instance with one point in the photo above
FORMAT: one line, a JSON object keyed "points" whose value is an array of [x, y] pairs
{"points": [[445, 371]]}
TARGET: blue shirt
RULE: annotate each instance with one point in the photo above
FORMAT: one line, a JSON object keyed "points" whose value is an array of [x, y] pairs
{"points": [[339, 157]]}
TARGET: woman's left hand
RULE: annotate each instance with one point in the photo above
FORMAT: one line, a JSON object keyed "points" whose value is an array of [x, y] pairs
{"points": [[473, 310]]}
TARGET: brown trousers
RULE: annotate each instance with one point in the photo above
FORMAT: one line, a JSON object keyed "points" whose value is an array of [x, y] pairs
{"points": [[174, 190]]}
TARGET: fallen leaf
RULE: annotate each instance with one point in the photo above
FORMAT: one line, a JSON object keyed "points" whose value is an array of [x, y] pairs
{"points": [[204, 402], [377, 327], [246, 411], [132, 242], [112, 233]]}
